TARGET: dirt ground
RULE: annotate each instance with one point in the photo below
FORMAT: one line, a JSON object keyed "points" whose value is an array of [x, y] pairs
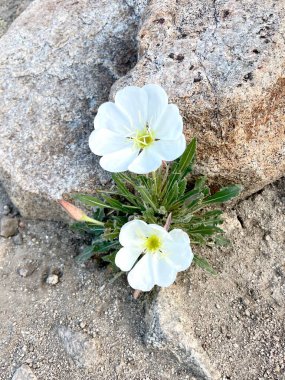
{"points": [[62, 320]]}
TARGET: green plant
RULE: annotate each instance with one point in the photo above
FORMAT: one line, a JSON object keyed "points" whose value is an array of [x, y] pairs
{"points": [[153, 198]]}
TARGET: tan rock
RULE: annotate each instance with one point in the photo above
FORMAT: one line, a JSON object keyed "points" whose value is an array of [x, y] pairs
{"points": [[223, 64]]}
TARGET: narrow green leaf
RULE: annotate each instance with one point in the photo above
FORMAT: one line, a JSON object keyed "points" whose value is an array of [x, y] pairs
{"points": [[182, 187], [123, 190], [117, 205], [86, 254], [171, 196], [110, 258], [146, 197], [223, 195], [204, 230], [89, 200], [203, 263], [187, 158]]}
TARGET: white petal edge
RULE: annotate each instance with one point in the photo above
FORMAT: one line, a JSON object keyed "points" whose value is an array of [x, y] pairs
{"points": [[134, 233], [126, 258], [147, 161], [119, 161], [157, 102], [169, 150], [141, 276], [170, 125], [178, 251], [164, 274], [133, 102], [109, 116], [104, 141]]}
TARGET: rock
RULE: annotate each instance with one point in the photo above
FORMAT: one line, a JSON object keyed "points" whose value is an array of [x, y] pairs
{"points": [[57, 63], [167, 329], [9, 10], [81, 348], [18, 239], [8, 226], [52, 279], [27, 269], [6, 209], [222, 63], [24, 373], [230, 319]]}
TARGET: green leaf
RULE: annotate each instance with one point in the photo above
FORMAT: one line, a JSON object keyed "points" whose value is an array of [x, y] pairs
{"points": [[117, 205], [200, 183], [148, 216], [110, 258], [171, 196], [203, 263], [187, 158], [83, 227], [146, 197], [223, 195], [123, 190], [220, 240], [204, 230], [89, 200], [86, 254], [182, 187]]}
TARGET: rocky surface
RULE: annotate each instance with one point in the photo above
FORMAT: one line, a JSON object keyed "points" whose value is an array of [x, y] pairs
{"points": [[9, 10], [236, 317], [58, 61], [223, 63], [86, 325]]}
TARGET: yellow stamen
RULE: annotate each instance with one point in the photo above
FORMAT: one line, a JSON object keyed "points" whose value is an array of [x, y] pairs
{"points": [[143, 138], [153, 243]]}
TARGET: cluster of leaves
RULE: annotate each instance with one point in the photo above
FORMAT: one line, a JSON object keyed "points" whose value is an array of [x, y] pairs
{"points": [[152, 198]]}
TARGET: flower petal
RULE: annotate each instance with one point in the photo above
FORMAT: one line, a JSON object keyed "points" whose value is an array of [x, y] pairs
{"points": [[109, 116], [120, 160], [170, 125], [126, 257], [158, 230], [164, 273], [157, 102], [141, 276], [147, 161], [169, 150], [178, 251], [133, 102], [134, 233], [103, 141]]}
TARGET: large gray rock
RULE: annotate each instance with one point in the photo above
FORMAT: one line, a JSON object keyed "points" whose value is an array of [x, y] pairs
{"points": [[57, 63], [223, 63]]}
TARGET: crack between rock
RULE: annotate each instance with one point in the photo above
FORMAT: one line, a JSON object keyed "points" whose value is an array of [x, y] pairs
{"points": [[215, 16]]}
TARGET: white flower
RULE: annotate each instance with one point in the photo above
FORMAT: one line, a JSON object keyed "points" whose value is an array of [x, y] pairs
{"points": [[138, 131], [163, 254]]}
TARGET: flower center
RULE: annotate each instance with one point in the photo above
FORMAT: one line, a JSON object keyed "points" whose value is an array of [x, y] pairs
{"points": [[153, 243], [143, 138]]}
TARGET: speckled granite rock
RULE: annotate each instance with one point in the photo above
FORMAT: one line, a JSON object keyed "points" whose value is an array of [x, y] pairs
{"points": [[57, 63], [9, 10], [223, 63]]}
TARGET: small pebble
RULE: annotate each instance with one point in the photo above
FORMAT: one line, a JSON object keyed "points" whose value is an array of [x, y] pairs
{"points": [[8, 226], [18, 239], [52, 279], [6, 210], [27, 269]]}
